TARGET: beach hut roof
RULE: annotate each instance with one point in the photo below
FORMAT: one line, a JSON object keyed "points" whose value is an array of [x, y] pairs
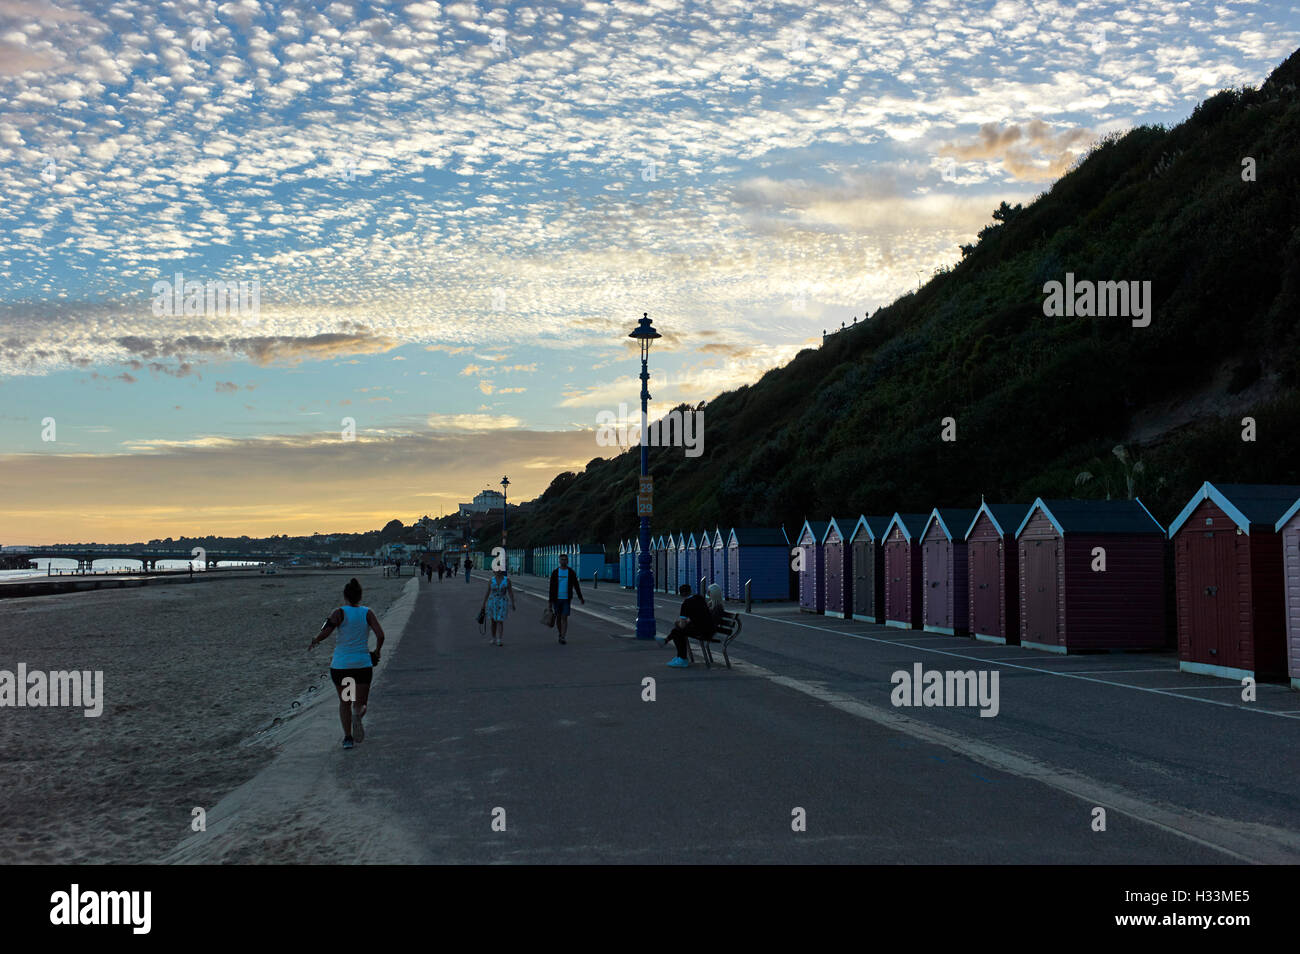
{"points": [[816, 527], [843, 526], [1006, 518], [874, 526], [718, 541], [912, 524], [953, 521], [758, 536], [1245, 504], [690, 542], [1095, 516]]}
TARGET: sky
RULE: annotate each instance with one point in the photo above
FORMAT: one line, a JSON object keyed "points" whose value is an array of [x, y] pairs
{"points": [[447, 218]]}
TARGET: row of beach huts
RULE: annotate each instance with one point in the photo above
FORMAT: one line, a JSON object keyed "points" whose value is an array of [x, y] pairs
{"points": [[1055, 575]]}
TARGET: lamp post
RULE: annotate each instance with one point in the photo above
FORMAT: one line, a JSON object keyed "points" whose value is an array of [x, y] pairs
{"points": [[505, 483], [645, 333]]}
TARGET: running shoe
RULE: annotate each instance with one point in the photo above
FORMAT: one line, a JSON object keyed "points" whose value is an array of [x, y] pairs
{"points": [[677, 662], [562, 641], [347, 743]]}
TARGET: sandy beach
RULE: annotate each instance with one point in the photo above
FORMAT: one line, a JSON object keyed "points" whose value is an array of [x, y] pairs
{"points": [[192, 674]]}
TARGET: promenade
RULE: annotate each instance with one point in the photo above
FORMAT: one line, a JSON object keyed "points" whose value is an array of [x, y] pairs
{"points": [[557, 746]]}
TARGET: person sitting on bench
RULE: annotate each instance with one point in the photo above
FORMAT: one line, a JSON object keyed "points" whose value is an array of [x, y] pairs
{"points": [[695, 622]]}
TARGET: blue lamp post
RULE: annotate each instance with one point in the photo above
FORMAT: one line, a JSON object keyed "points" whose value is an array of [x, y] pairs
{"points": [[645, 584], [505, 488]]}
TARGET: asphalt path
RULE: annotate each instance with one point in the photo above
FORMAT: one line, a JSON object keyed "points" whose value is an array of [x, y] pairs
{"points": [[537, 752]]}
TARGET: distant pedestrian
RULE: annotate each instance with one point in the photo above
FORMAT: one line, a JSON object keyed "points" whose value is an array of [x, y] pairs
{"points": [[694, 622], [442, 568], [469, 565], [564, 587], [352, 660], [494, 603]]}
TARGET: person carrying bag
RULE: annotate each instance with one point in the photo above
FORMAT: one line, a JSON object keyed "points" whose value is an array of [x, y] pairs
{"points": [[564, 587]]}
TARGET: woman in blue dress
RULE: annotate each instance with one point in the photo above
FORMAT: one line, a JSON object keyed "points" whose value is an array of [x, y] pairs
{"points": [[494, 604]]}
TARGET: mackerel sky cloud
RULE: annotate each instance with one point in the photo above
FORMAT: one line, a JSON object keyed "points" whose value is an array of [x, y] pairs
{"points": [[455, 212]]}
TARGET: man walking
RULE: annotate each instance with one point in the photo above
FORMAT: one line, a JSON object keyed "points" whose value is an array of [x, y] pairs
{"points": [[469, 565], [564, 587]]}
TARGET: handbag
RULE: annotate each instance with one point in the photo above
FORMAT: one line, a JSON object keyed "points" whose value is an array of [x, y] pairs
{"points": [[548, 616], [480, 618]]}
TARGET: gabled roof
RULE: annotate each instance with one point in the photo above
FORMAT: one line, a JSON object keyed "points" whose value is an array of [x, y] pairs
{"points": [[719, 541], [874, 527], [690, 542], [681, 540], [953, 522], [1006, 518], [1095, 516], [843, 526], [758, 537], [817, 528], [1245, 504], [705, 539], [912, 524]]}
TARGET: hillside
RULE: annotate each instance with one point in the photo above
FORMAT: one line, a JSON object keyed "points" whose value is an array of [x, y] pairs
{"points": [[855, 425]]}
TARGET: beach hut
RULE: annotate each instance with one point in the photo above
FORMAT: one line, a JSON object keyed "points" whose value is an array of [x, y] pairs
{"points": [[812, 586], [1092, 576], [1288, 527], [704, 546], [622, 563], [993, 587], [837, 567], [720, 556], [866, 541], [903, 570], [761, 557], [944, 579], [632, 550], [660, 560], [686, 562], [1228, 580]]}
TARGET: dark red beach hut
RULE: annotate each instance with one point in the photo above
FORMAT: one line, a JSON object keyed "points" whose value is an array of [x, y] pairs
{"points": [[812, 591], [867, 543], [1228, 580], [837, 567], [903, 570], [994, 572], [944, 600], [1068, 602], [1288, 527]]}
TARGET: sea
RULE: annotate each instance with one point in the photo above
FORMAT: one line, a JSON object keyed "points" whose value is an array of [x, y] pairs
{"points": [[45, 565]]}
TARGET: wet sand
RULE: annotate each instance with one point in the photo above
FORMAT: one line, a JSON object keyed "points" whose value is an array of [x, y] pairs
{"points": [[191, 674]]}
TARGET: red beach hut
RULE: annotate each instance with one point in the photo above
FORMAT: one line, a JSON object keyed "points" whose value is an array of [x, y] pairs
{"points": [[903, 570], [1228, 580], [1092, 576], [944, 600], [994, 572], [867, 543], [812, 591], [837, 567]]}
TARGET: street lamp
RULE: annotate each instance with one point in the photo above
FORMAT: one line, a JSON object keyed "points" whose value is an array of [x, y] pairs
{"points": [[645, 585], [505, 483]]}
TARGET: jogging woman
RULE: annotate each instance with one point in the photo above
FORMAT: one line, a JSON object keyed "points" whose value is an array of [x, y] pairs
{"points": [[353, 663]]}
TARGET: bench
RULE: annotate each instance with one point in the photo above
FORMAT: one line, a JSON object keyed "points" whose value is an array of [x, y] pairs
{"points": [[727, 630]]}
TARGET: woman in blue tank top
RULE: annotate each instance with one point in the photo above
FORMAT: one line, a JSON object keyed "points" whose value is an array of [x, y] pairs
{"points": [[353, 663]]}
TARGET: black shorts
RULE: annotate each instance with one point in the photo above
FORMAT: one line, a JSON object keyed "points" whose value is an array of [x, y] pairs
{"points": [[360, 676]]}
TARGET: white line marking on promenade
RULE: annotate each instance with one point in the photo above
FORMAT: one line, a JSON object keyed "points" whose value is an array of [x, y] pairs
{"points": [[1245, 841], [1046, 672]]}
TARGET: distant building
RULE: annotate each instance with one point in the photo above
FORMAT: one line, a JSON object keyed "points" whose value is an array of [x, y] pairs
{"points": [[484, 502]]}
